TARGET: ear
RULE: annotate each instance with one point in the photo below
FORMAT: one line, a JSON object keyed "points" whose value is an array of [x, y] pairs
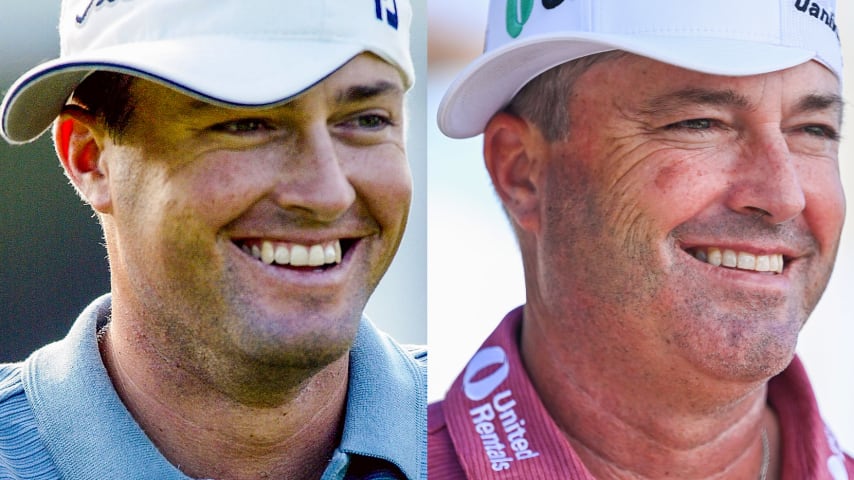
{"points": [[514, 152], [78, 139]]}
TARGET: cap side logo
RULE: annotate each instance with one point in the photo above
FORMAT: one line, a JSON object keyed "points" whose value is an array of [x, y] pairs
{"points": [[386, 11], [813, 9], [519, 11], [93, 5]]}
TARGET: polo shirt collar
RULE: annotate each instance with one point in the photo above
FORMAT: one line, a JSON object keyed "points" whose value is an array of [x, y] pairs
{"points": [[67, 380], [383, 374]]}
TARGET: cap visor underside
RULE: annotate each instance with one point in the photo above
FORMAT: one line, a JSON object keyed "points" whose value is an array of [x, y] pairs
{"points": [[217, 70]]}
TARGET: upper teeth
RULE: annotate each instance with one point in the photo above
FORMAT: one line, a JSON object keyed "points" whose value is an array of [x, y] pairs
{"points": [[295, 254], [741, 260]]}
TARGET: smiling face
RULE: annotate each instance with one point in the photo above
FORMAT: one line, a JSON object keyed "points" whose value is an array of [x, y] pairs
{"points": [[257, 233], [689, 216]]}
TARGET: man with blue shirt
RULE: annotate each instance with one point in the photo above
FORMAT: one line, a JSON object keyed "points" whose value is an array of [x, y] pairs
{"points": [[247, 164]]}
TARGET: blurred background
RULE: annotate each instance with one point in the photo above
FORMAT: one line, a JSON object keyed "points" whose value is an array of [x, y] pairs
{"points": [[475, 274], [52, 262]]}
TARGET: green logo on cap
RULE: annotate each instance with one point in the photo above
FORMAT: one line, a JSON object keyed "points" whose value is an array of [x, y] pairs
{"points": [[518, 12]]}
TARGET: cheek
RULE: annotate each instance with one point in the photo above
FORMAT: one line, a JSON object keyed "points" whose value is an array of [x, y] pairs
{"points": [[222, 185], [825, 204], [671, 188], [382, 180]]}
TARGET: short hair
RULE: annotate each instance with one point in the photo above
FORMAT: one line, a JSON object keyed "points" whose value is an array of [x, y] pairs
{"points": [[544, 101], [107, 96]]}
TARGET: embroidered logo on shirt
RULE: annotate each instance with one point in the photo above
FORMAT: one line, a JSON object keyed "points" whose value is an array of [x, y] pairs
{"points": [[497, 412], [836, 462]]}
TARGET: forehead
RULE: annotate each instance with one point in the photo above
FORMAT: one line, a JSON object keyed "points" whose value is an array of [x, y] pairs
{"points": [[364, 78], [635, 79]]}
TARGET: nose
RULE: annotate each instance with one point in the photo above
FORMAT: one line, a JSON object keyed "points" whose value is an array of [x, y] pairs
{"points": [[765, 182], [314, 181]]}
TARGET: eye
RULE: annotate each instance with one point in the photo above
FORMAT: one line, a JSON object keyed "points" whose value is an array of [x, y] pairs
{"points": [[821, 131], [373, 121], [693, 124], [242, 126], [368, 121]]}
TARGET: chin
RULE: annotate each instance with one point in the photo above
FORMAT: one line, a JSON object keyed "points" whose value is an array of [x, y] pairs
{"points": [[312, 342], [752, 361]]}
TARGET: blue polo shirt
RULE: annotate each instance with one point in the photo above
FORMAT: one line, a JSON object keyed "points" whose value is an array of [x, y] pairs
{"points": [[61, 418]]}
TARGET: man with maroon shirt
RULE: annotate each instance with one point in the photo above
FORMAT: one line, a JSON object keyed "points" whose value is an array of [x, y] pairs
{"points": [[670, 171]]}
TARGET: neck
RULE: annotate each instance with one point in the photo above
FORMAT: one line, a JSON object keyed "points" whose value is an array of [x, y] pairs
{"points": [[626, 421], [210, 433]]}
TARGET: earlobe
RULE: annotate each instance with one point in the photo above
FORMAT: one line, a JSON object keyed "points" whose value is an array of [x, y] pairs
{"points": [[77, 139], [513, 152]]}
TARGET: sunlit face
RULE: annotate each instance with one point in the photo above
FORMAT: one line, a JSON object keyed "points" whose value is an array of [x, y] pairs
{"points": [[259, 233], [693, 216]]}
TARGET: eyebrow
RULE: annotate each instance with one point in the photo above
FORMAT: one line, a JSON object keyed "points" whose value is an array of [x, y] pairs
{"points": [[818, 102], [358, 93], [674, 101]]}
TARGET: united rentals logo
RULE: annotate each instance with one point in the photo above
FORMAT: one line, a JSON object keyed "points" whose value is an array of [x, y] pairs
{"points": [[836, 462], [812, 8], [386, 10], [497, 412]]}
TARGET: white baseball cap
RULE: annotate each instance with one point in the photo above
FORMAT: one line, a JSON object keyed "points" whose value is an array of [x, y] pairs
{"points": [[525, 38], [233, 52]]}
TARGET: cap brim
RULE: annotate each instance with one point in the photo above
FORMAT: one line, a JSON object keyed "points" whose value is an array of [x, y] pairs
{"points": [[236, 72], [488, 84]]}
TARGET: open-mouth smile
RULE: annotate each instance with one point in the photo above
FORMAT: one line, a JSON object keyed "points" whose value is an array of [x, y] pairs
{"points": [[773, 263], [324, 255]]}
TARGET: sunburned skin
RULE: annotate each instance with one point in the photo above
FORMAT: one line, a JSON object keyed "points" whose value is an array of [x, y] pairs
{"points": [[674, 243]]}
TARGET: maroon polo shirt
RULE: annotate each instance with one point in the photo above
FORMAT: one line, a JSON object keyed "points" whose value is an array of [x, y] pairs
{"points": [[492, 424]]}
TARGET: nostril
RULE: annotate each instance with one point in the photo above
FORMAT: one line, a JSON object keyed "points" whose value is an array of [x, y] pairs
{"points": [[757, 212]]}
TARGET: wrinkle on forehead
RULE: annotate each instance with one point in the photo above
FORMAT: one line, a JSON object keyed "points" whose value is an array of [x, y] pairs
{"points": [[675, 101], [700, 89]]}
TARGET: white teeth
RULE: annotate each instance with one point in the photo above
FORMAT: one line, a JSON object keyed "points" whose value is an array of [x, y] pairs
{"points": [[316, 257], [730, 259], [746, 261], [283, 255], [294, 254], [775, 263], [763, 263], [268, 253], [299, 255], [715, 257], [740, 260], [329, 255]]}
